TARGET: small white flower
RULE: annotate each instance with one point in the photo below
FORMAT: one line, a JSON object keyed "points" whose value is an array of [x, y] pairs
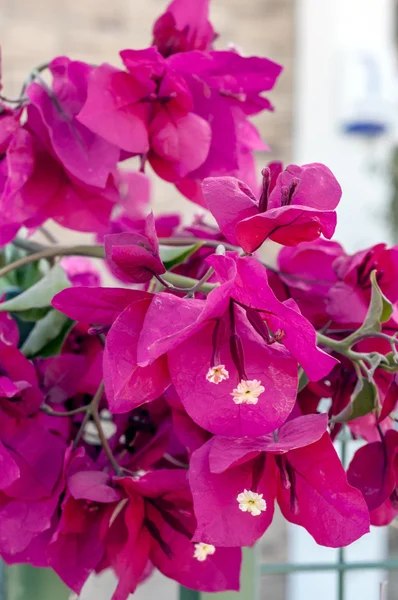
{"points": [[202, 551], [217, 374], [91, 436], [251, 502], [247, 392]]}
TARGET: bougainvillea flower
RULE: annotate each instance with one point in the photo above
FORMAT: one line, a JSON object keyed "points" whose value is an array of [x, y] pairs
{"points": [[134, 257], [297, 207], [226, 87], [235, 482], [77, 546], [235, 343], [374, 471], [159, 107], [34, 187], [147, 109], [120, 116], [52, 116], [349, 298], [159, 521], [19, 385], [127, 384], [28, 504], [184, 26], [54, 167]]}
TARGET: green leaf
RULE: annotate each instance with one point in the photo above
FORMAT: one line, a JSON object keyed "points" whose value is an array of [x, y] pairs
{"points": [[40, 294], [175, 255], [391, 364], [303, 380], [54, 347], [379, 311], [44, 332], [31, 315], [363, 401], [28, 275], [23, 277]]}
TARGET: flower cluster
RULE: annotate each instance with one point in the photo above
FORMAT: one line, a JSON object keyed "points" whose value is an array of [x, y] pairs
{"points": [[154, 424]]}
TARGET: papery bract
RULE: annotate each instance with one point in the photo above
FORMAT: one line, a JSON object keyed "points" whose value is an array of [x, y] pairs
{"points": [[134, 257], [160, 526], [349, 298], [223, 330], [183, 27], [29, 502], [373, 470], [128, 385], [298, 207], [281, 468]]}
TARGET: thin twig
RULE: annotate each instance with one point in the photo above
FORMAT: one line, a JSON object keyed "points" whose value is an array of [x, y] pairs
{"points": [[68, 413], [170, 286], [28, 245], [97, 420], [197, 287], [339, 347], [48, 235], [81, 430], [95, 250], [91, 410], [383, 336], [172, 282], [186, 241], [175, 461]]}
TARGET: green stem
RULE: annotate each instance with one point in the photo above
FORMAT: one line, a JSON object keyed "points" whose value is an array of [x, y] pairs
{"points": [[186, 241], [67, 413], [187, 283], [340, 347], [94, 251]]}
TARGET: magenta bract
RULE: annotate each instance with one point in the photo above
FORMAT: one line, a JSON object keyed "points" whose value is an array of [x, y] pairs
{"points": [[272, 468], [297, 207]]}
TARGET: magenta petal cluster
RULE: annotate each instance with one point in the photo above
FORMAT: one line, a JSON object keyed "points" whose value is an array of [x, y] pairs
{"points": [[296, 205], [373, 470], [159, 402], [183, 27], [240, 479], [134, 257]]}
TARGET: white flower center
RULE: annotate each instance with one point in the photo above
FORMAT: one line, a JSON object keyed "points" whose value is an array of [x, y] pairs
{"points": [[247, 391], [251, 502], [202, 551], [217, 374], [91, 436]]}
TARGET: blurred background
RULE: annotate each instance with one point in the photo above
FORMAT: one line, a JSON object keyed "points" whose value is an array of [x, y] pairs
{"points": [[336, 102]]}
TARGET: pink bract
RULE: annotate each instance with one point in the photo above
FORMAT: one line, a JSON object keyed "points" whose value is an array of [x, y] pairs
{"points": [[297, 207]]}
